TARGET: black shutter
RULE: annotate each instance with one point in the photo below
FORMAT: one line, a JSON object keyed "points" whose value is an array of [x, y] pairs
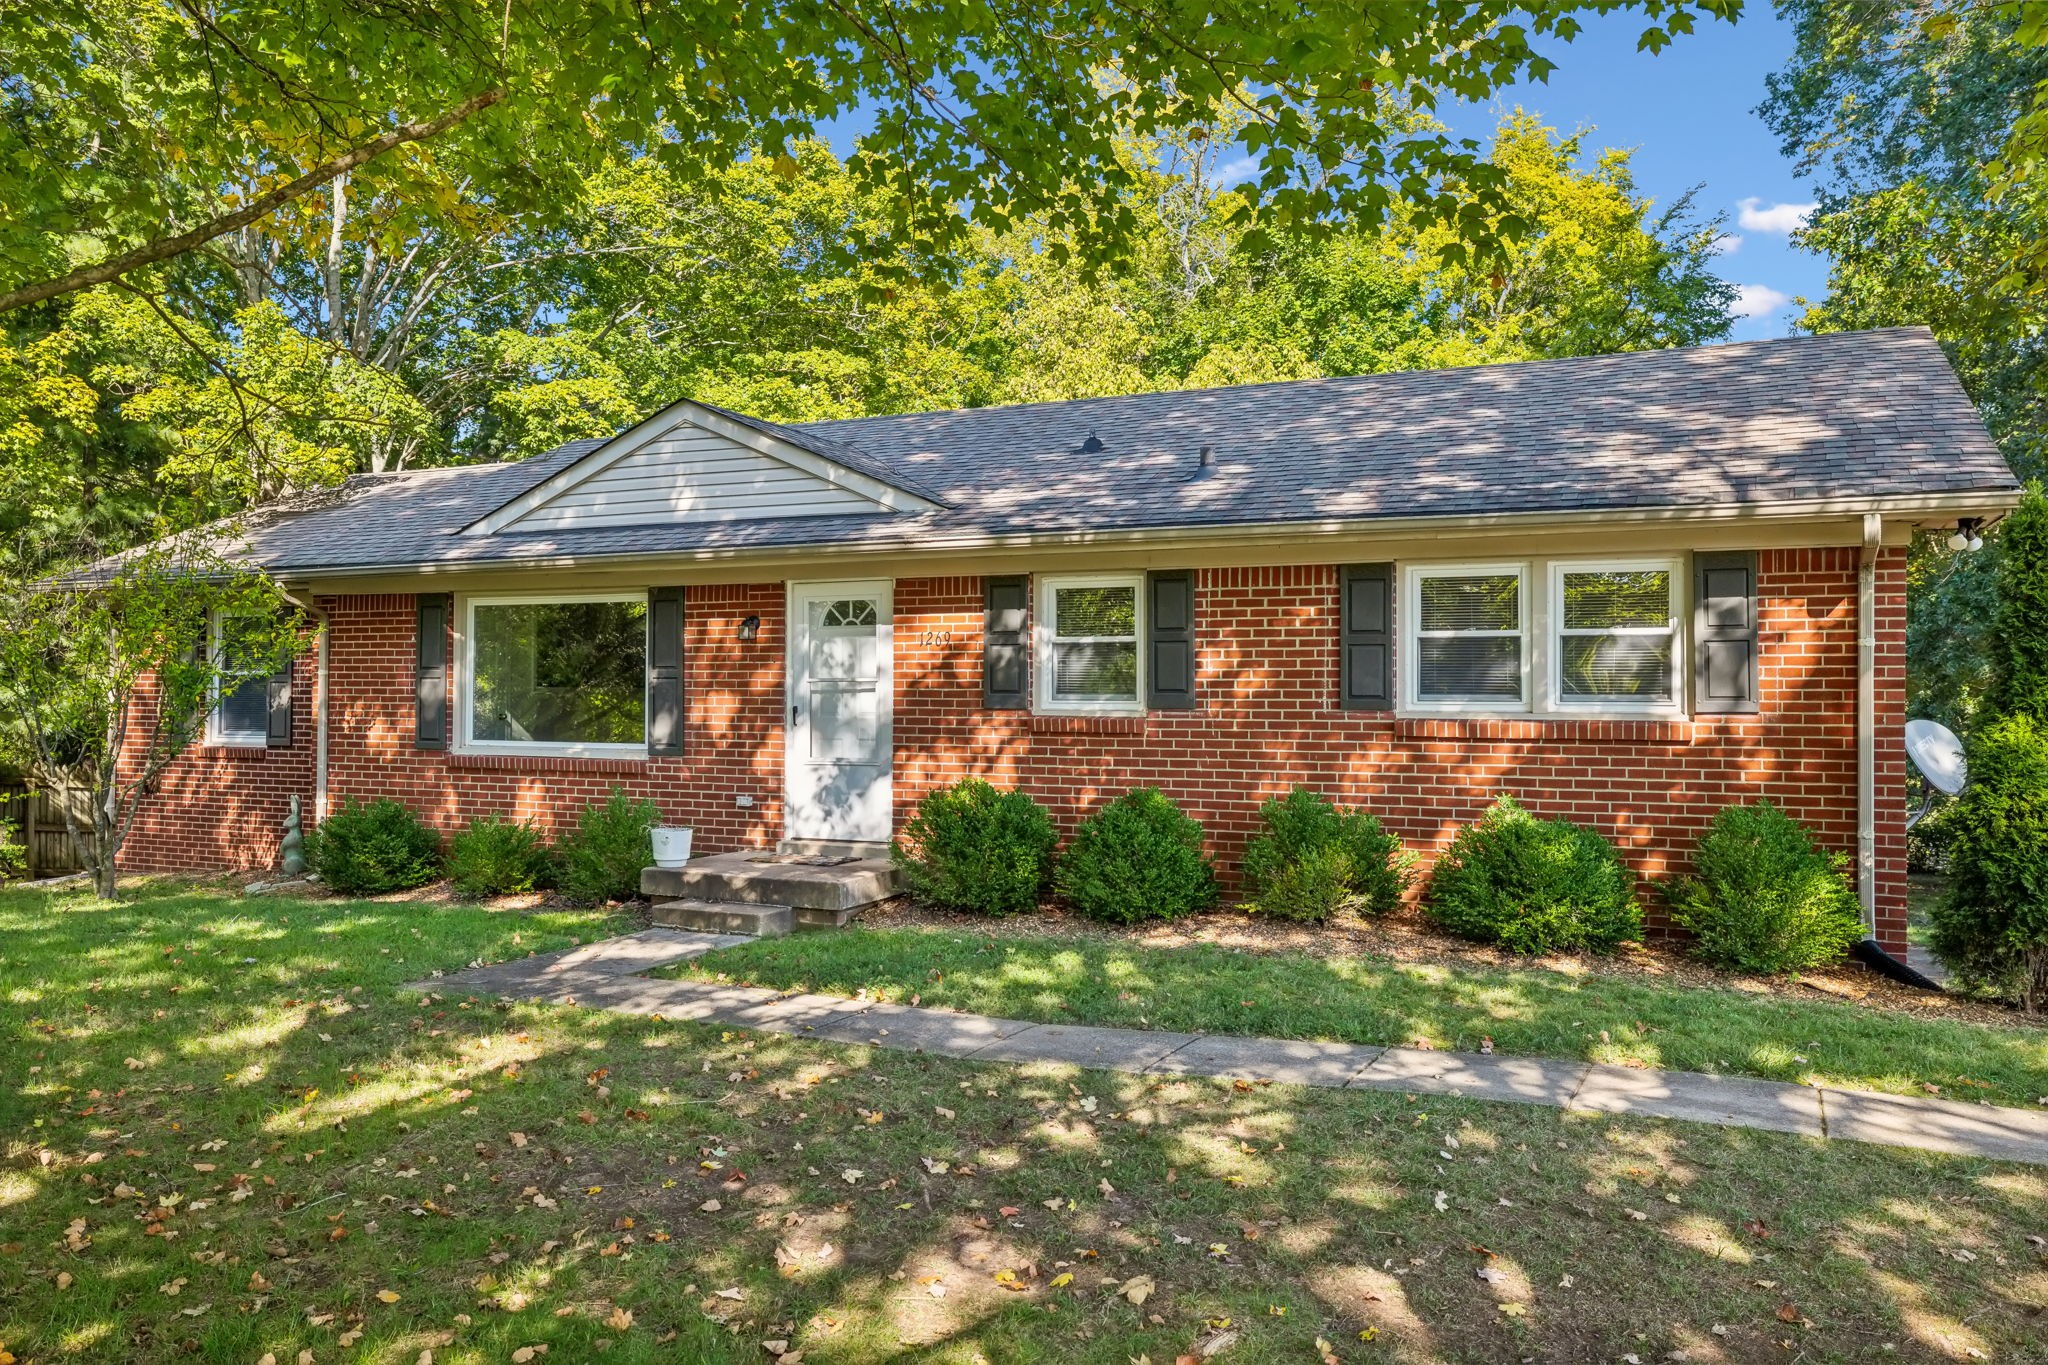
{"points": [[279, 693], [1170, 639], [430, 678], [1724, 632], [1006, 644], [665, 671], [198, 655], [1366, 662]]}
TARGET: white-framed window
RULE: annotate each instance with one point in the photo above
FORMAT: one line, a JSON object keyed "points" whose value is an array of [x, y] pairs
{"points": [[1087, 631], [1468, 637], [1546, 637], [558, 674], [1615, 625], [238, 691]]}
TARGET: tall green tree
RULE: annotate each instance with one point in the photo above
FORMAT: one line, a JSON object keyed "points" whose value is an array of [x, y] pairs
{"points": [[134, 132], [1908, 117], [1596, 268]]}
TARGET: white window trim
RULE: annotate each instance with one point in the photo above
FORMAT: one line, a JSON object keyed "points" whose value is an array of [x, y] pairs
{"points": [[216, 737], [1411, 637], [465, 675], [1042, 621], [1554, 635], [1541, 661]]}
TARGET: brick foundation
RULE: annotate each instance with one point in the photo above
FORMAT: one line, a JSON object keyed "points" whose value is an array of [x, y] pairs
{"points": [[1266, 720]]}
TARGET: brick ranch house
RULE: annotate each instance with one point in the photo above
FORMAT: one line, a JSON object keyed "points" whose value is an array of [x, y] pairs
{"points": [[1629, 589]]}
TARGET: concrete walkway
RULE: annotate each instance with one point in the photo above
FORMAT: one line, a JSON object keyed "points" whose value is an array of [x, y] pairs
{"points": [[607, 976]]}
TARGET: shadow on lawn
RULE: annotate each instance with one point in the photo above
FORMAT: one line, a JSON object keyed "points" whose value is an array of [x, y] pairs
{"points": [[299, 1136], [1532, 1011]]}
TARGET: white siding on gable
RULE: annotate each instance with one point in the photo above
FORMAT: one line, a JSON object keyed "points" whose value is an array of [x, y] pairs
{"points": [[688, 474]]}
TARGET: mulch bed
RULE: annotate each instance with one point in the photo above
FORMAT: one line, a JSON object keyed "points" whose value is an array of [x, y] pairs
{"points": [[1406, 937]]}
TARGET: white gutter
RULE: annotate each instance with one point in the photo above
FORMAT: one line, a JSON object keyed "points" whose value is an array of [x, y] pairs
{"points": [[1866, 720]]}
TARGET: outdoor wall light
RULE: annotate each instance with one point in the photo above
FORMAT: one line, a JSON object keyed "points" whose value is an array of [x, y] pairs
{"points": [[1966, 536], [750, 630]]}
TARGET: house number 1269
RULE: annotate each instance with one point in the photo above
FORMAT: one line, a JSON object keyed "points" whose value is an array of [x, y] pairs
{"points": [[931, 638]]}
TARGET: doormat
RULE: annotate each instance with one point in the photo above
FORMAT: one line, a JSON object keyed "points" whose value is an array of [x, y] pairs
{"points": [[806, 859]]}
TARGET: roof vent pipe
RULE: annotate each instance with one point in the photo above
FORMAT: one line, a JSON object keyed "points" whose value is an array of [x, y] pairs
{"points": [[1208, 457], [1092, 445]]}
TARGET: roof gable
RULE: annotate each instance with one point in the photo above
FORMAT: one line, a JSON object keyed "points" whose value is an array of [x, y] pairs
{"points": [[694, 463]]}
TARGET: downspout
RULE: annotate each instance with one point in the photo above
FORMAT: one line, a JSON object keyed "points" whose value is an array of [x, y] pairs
{"points": [[1869, 951], [320, 626], [1866, 720]]}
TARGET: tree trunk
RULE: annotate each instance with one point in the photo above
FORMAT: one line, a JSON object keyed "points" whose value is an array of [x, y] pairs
{"points": [[106, 848]]}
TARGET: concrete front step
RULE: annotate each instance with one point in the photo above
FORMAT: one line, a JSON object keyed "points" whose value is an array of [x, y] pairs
{"points": [[836, 848], [735, 878], [724, 917]]}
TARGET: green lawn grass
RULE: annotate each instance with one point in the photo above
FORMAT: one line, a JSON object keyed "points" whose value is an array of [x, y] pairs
{"points": [[1531, 1010], [226, 1132]]}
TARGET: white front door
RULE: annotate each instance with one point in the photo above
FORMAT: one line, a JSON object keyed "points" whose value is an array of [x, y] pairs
{"points": [[841, 711]]}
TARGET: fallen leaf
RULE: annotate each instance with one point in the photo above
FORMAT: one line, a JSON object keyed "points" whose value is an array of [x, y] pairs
{"points": [[1788, 1313], [620, 1319], [1137, 1289], [387, 1296]]}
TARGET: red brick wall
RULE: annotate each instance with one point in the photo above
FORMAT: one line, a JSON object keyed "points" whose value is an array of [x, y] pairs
{"points": [[217, 807], [211, 813], [1265, 720]]}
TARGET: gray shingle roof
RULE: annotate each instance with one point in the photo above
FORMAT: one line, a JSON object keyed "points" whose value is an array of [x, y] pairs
{"points": [[1852, 415]]}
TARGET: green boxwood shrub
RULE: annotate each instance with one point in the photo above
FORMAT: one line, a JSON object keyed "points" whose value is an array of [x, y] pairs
{"points": [[1312, 859], [1534, 886], [602, 858], [498, 857], [366, 848], [1139, 857], [972, 846], [1762, 898], [1991, 929]]}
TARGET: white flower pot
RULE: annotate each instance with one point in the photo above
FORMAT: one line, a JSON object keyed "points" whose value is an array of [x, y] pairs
{"points": [[671, 846]]}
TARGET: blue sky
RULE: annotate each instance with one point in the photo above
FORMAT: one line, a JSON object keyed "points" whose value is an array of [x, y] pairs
{"points": [[1686, 114]]}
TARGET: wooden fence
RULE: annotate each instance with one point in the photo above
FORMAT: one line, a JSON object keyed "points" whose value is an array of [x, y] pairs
{"points": [[38, 823]]}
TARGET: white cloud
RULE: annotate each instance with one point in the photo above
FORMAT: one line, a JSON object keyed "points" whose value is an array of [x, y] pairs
{"points": [[1244, 168], [1755, 216], [1757, 301], [1727, 244]]}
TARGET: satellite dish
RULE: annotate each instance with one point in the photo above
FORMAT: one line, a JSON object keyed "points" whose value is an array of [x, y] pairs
{"points": [[1938, 754]]}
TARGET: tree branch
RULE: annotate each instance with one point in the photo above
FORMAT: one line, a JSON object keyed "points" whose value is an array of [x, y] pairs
{"points": [[163, 248]]}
